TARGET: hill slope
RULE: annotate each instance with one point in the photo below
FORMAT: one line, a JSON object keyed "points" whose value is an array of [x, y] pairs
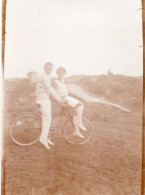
{"points": [[110, 163], [122, 90]]}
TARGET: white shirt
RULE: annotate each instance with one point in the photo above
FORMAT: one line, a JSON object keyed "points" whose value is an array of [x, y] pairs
{"points": [[60, 88], [41, 92]]}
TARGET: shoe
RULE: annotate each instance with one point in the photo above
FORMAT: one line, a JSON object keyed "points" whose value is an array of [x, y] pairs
{"points": [[81, 126], [45, 144], [77, 133], [50, 142]]}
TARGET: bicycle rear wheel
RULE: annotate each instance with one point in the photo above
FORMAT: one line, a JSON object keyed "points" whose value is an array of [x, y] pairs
{"points": [[25, 130], [69, 130]]}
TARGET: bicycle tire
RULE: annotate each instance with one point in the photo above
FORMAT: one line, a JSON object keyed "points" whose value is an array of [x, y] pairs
{"points": [[25, 129], [68, 132]]}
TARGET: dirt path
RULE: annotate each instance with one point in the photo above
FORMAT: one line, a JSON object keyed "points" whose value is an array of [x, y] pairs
{"points": [[77, 90]]}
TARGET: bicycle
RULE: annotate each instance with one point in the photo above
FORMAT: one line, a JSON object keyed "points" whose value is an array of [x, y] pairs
{"points": [[26, 128]]}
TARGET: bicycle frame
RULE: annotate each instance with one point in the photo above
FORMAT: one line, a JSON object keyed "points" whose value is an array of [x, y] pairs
{"points": [[65, 116], [63, 126]]}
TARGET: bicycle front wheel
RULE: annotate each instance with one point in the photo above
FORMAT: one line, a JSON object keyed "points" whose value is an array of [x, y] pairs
{"points": [[25, 130], [71, 137]]}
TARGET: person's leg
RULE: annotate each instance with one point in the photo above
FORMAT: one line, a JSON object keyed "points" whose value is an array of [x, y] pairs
{"points": [[46, 120], [77, 119], [77, 131], [79, 109]]}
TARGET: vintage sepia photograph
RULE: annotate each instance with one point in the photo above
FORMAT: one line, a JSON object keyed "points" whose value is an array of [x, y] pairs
{"points": [[72, 97]]}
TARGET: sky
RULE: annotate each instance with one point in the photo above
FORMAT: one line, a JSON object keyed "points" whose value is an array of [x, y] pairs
{"points": [[85, 36]]}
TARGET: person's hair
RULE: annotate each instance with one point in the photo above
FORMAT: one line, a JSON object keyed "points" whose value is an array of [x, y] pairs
{"points": [[48, 64], [61, 69]]}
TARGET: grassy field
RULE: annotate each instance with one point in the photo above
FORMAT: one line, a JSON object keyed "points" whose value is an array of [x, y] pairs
{"points": [[109, 164], [122, 90]]}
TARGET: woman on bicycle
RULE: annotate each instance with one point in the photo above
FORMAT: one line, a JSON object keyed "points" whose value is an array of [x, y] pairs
{"points": [[61, 89]]}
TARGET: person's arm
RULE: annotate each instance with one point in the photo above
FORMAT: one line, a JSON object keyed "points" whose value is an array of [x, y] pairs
{"points": [[55, 85], [50, 90]]}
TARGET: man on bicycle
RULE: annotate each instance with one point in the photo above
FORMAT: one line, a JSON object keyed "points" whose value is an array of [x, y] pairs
{"points": [[43, 93]]}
